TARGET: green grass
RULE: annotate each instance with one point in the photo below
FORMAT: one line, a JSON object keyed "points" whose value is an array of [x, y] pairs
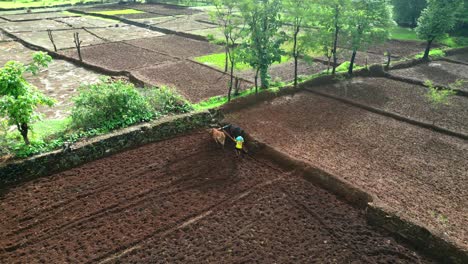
{"points": [[119, 12], [217, 60], [401, 33], [43, 3], [434, 54], [44, 129]]}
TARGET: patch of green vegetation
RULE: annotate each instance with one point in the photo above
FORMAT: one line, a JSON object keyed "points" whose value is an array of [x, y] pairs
{"points": [[434, 54], [455, 42], [217, 60], [344, 67], [401, 33], [119, 12]]}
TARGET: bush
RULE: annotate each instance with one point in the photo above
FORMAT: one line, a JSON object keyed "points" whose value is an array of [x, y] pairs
{"points": [[165, 100], [109, 105], [434, 54]]}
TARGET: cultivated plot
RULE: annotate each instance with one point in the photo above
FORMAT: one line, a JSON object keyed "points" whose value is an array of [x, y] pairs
{"points": [[195, 82], [177, 46], [400, 48], [405, 99], [284, 72], [122, 33], [440, 72], [36, 16], [59, 81], [166, 10], [166, 200], [119, 56], [88, 22], [63, 38], [463, 57], [34, 26], [418, 173]]}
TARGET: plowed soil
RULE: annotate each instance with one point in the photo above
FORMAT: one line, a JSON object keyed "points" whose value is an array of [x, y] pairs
{"points": [[121, 33], [63, 39], [166, 10], [119, 56], [194, 81], [285, 71], [400, 48], [404, 99], [88, 22], [36, 16], [460, 57], [440, 72], [34, 26], [177, 46], [419, 173], [185, 200]]}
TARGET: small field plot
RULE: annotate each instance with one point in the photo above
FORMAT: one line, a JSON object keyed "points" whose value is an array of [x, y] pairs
{"points": [[4, 37], [213, 32], [124, 33], [400, 48], [33, 26], [166, 10], [284, 72], [404, 99], [194, 81], [37, 16], [88, 22], [185, 200], [63, 38], [418, 173], [154, 21], [177, 46], [59, 81], [119, 56], [460, 57], [440, 72], [361, 58], [184, 24]]}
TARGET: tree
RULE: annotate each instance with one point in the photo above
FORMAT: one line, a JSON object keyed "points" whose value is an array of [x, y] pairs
{"points": [[231, 25], [331, 23], [372, 20], [436, 20], [18, 98], [407, 12], [262, 47], [296, 17]]}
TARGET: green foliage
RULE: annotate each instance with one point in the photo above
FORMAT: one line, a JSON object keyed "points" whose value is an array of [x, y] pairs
{"points": [[119, 12], [110, 105], [262, 45], [18, 98], [165, 100], [437, 19], [438, 97], [434, 54], [218, 59], [401, 33], [407, 12]]}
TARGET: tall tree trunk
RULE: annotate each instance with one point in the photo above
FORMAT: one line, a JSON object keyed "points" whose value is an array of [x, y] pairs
{"points": [[295, 52], [428, 49], [24, 128], [226, 54], [351, 65], [264, 83], [335, 41], [256, 80]]}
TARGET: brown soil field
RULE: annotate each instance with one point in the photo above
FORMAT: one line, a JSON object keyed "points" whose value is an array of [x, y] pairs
{"points": [[194, 81], [361, 57], [166, 10], [33, 26], [63, 39], [88, 22], [184, 24], [400, 48], [177, 46], [285, 71], [119, 56], [418, 173], [154, 20], [460, 57], [36, 16], [59, 81], [404, 99], [139, 15], [440, 72], [122, 33], [182, 200]]}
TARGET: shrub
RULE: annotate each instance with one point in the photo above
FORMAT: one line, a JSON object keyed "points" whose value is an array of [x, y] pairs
{"points": [[438, 97], [109, 105], [165, 100]]}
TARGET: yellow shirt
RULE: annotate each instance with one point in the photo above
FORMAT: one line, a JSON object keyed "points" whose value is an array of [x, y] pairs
{"points": [[239, 142]]}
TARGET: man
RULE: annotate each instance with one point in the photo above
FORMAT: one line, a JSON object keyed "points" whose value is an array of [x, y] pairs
{"points": [[239, 145]]}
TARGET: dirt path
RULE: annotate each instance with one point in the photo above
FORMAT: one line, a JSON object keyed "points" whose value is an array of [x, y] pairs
{"points": [[420, 174], [189, 200]]}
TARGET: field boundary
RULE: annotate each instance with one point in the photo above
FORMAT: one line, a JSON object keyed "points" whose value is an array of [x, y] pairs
{"points": [[15, 172], [391, 115], [99, 3], [423, 239]]}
